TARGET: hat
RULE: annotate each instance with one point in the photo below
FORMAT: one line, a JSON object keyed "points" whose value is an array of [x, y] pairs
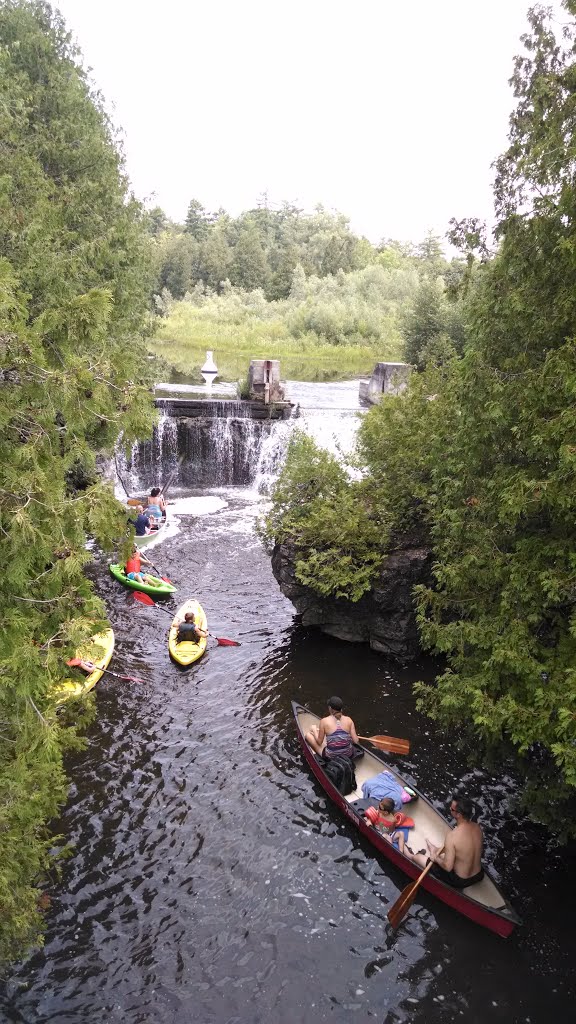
{"points": [[336, 703]]}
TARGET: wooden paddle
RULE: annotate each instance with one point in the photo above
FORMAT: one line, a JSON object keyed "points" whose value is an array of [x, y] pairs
{"points": [[390, 743], [89, 666], [400, 908], [222, 640]]}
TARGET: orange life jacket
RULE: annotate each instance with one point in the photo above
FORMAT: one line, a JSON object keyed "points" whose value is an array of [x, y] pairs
{"points": [[133, 564]]}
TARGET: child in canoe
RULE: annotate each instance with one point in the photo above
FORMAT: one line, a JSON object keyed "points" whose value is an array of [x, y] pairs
{"points": [[394, 826]]}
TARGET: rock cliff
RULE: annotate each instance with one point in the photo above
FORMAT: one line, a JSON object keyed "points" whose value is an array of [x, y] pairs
{"points": [[384, 617]]}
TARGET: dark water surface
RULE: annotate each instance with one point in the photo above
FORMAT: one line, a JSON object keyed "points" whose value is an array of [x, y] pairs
{"points": [[213, 882]]}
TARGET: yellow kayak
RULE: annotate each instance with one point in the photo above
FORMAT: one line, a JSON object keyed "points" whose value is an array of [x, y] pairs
{"points": [[186, 653], [99, 650]]}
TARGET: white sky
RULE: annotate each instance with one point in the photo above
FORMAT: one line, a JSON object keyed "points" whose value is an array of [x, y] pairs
{"points": [[388, 111]]}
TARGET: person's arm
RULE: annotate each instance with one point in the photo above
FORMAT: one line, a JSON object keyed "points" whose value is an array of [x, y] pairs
{"points": [[444, 857], [144, 559], [321, 732], [203, 632], [353, 732]]}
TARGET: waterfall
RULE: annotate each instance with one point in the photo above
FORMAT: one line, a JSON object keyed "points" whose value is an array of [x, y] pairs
{"points": [[328, 413], [226, 446]]}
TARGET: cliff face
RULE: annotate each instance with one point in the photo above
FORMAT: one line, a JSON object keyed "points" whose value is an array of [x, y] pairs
{"points": [[384, 617]]}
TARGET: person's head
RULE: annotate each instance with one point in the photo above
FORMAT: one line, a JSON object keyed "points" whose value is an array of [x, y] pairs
{"points": [[335, 704], [140, 508], [386, 804], [154, 492], [461, 805], [189, 617]]}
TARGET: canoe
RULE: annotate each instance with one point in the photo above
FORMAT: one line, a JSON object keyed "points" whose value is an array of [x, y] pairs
{"points": [[162, 590], [141, 542], [483, 902], [186, 653], [99, 649]]}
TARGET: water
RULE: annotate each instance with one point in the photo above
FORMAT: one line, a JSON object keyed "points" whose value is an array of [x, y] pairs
{"points": [[213, 882]]}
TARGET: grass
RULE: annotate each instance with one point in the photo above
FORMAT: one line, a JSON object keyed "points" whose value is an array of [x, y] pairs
{"points": [[184, 337]]}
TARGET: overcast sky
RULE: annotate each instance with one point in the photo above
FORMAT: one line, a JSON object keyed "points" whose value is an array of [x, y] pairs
{"points": [[388, 111]]}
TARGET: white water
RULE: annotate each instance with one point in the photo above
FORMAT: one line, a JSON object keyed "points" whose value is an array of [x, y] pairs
{"points": [[231, 448], [328, 413]]}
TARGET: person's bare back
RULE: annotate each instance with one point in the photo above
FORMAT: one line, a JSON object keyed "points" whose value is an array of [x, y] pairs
{"points": [[466, 842]]}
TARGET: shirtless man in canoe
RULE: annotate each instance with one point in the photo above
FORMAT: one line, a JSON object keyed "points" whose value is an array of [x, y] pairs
{"points": [[459, 863]]}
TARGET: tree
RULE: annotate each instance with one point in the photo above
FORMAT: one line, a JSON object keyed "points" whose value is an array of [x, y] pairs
{"points": [[503, 609], [249, 267], [431, 317], [74, 283], [197, 220]]}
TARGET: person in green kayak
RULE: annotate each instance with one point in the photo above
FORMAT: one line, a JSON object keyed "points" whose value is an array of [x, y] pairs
{"points": [[134, 569]]}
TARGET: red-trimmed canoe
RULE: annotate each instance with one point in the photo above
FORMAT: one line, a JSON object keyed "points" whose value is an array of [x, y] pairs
{"points": [[482, 902]]}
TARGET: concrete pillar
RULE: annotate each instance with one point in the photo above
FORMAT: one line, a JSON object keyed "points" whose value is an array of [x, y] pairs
{"points": [[264, 380], [387, 379]]}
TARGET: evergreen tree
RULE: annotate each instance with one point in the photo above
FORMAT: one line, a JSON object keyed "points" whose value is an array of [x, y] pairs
{"points": [[197, 220], [74, 259], [249, 267]]}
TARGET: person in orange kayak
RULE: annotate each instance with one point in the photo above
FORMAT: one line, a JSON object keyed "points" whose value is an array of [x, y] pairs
{"points": [[134, 569]]}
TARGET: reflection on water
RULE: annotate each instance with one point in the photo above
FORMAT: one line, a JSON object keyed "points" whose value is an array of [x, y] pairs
{"points": [[213, 882]]}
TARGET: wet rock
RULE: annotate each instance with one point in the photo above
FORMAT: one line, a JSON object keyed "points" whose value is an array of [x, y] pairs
{"points": [[384, 617]]}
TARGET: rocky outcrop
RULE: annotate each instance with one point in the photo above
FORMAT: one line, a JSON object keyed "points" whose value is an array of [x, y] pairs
{"points": [[384, 617]]}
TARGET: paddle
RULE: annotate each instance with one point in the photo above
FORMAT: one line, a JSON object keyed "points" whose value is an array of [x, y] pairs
{"points": [[171, 477], [400, 908], [89, 665], [222, 640], [158, 573], [390, 743]]}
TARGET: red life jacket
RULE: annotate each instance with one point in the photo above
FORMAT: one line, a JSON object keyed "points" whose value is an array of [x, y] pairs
{"points": [[133, 564]]}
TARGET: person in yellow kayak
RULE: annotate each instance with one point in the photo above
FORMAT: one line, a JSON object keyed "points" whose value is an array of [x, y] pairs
{"points": [[188, 629]]}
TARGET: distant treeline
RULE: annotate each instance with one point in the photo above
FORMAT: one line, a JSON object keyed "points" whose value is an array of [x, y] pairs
{"points": [[314, 278]]}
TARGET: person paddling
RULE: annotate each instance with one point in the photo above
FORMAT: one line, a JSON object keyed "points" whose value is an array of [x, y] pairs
{"points": [[459, 863], [142, 522], [337, 730], [134, 569], [188, 629]]}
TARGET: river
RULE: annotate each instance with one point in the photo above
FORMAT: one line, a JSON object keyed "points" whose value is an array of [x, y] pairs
{"points": [[211, 880]]}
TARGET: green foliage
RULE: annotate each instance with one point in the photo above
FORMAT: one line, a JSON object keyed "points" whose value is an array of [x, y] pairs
{"points": [[431, 317], [74, 283], [491, 464], [327, 327], [262, 248], [317, 508]]}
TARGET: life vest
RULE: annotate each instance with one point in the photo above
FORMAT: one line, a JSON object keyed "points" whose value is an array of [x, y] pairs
{"points": [[133, 564], [400, 820]]}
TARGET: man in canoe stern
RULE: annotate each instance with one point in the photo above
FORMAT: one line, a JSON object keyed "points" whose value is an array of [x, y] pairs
{"points": [[459, 863], [337, 729]]}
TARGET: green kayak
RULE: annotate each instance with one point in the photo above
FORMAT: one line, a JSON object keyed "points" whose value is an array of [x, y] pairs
{"points": [[160, 589]]}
